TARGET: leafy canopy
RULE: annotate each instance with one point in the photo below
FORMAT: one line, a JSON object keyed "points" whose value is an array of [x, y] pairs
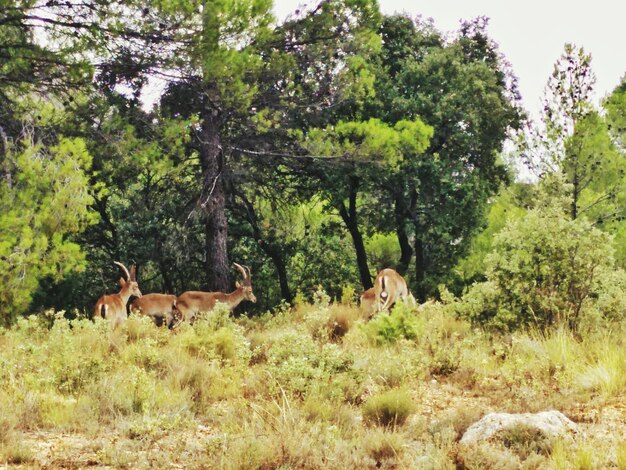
{"points": [[44, 199]]}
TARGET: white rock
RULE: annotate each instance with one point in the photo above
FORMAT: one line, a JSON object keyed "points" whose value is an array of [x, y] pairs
{"points": [[551, 423]]}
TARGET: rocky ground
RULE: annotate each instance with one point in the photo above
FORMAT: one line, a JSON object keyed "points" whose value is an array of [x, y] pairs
{"points": [[435, 400]]}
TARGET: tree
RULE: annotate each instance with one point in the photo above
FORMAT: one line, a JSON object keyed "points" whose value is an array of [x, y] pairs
{"points": [[214, 55], [152, 160], [365, 144], [44, 189], [466, 92], [317, 74], [510, 204], [203, 46], [143, 184], [615, 105], [547, 269], [44, 199], [575, 140]]}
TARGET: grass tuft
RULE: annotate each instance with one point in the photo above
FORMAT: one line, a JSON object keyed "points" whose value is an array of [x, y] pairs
{"points": [[391, 408]]}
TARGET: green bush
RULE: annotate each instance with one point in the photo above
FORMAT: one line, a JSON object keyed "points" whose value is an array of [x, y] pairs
{"points": [[214, 336], [547, 269], [391, 408], [401, 322], [299, 364], [525, 440]]}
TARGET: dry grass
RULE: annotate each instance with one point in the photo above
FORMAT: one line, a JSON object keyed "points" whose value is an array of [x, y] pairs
{"points": [[312, 387]]}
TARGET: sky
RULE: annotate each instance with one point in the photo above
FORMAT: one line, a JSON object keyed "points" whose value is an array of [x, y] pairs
{"points": [[531, 34]]}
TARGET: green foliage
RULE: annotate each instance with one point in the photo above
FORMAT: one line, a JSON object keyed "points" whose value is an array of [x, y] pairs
{"points": [[524, 440], [390, 408], [317, 236], [371, 140], [461, 81], [215, 337], [583, 143], [383, 250], [568, 95], [222, 49], [505, 207], [615, 105], [300, 365], [44, 201], [400, 323], [611, 217], [546, 269], [303, 400]]}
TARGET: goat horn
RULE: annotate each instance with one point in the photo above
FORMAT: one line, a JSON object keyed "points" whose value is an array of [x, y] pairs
{"points": [[124, 269], [240, 268]]}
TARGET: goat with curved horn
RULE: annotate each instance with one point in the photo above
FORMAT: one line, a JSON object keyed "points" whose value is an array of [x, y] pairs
{"points": [[189, 304], [113, 307]]}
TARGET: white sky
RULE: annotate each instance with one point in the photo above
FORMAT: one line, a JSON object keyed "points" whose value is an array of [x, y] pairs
{"points": [[531, 34]]}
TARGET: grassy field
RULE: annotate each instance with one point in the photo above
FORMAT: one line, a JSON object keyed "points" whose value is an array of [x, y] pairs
{"points": [[310, 387]]}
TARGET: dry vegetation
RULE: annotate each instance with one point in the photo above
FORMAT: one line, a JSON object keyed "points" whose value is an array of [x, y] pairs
{"points": [[310, 387]]}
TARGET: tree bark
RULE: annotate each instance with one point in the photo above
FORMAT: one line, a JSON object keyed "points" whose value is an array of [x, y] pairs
{"points": [[213, 199], [575, 196], [213, 202], [270, 248], [405, 246], [349, 216], [420, 268], [281, 269], [168, 285], [3, 158]]}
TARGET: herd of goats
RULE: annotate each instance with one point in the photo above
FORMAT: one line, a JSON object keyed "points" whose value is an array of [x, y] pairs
{"points": [[170, 310]]}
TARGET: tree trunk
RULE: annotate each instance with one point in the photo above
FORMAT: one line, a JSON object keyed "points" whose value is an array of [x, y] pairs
{"points": [[405, 247], [350, 218], [281, 269], [420, 269], [213, 202], [3, 158], [168, 285], [270, 248], [575, 196]]}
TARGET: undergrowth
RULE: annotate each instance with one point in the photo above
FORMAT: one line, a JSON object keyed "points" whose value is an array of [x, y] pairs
{"points": [[315, 386]]}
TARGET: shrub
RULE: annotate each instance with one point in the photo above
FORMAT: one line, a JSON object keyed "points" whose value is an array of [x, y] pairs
{"points": [[525, 440], [15, 453], [8, 423], [383, 446], [546, 269], [215, 336], [606, 372], [299, 364], [401, 322], [392, 366], [391, 408], [317, 320]]}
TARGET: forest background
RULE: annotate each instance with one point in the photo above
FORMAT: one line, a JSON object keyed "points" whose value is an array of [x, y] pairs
{"points": [[316, 151]]}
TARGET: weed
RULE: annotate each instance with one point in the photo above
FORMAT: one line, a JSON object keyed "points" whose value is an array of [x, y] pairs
{"points": [[382, 445], [306, 387], [391, 408], [16, 453], [583, 459], [620, 455], [525, 440], [386, 328]]}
